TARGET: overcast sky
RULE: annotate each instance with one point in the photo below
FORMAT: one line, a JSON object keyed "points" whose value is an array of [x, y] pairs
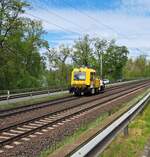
{"points": [[126, 21]]}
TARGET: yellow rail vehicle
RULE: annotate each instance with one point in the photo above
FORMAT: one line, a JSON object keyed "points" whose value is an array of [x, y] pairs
{"points": [[84, 80]]}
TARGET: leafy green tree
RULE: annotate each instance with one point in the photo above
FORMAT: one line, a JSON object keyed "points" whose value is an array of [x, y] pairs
{"points": [[21, 64], [58, 62], [114, 60], [137, 68], [9, 17], [100, 48], [82, 54], [8, 25]]}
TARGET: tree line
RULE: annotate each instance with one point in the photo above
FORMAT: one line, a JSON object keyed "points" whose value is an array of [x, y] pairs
{"points": [[23, 66], [87, 51], [137, 68]]}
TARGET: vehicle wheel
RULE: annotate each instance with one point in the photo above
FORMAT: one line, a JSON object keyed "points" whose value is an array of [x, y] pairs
{"points": [[102, 89], [96, 90], [77, 93]]}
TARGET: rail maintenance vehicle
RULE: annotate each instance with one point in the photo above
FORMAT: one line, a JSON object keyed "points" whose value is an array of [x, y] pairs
{"points": [[85, 81]]}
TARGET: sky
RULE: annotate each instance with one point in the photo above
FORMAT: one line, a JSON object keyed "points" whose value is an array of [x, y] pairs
{"points": [[126, 21]]}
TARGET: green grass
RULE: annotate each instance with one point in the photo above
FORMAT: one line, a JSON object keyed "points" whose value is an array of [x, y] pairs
{"points": [[132, 145], [86, 127], [31, 101]]}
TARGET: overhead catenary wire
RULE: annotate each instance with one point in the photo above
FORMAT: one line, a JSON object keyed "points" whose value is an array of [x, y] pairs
{"points": [[97, 21], [58, 26], [52, 23], [63, 18], [89, 16]]}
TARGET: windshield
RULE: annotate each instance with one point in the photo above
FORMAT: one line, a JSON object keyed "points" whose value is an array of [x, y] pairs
{"points": [[79, 76]]}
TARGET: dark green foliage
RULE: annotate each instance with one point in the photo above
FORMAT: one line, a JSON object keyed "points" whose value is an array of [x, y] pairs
{"points": [[137, 68], [87, 52], [59, 68], [100, 49], [114, 60], [21, 65], [82, 52]]}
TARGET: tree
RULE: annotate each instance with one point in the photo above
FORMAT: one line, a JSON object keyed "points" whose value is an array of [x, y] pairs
{"points": [[9, 17], [57, 61], [51, 55], [137, 68], [100, 47], [114, 60], [21, 64], [82, 54]]}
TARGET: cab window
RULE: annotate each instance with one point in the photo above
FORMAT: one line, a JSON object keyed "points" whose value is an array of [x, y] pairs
{"points": [[79, 76]]}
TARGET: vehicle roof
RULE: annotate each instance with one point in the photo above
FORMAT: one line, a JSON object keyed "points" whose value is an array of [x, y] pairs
{"points": [[83, 69]]}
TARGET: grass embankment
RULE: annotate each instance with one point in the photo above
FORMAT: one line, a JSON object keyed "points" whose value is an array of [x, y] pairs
{"points": [[133, 144], [84, 129], [11, 105]]}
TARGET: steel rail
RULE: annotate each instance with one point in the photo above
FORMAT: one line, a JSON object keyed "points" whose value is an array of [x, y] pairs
{"points": [[36, 105], [121, 93], [21, 109], [85, 102], [34, 93], [61, 116]]}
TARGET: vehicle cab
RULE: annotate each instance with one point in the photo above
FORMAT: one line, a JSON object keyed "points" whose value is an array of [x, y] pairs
{"points": [[84, 80]]}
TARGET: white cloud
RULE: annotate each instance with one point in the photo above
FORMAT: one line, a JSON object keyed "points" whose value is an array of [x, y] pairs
{"points": [[130, 30], [136, 6]]}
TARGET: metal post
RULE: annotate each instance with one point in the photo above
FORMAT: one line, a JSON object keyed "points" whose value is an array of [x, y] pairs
{"points": [[126, 132], [101, 65], [8, 94]]}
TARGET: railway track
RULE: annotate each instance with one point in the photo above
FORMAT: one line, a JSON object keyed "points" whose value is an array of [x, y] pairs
{"points": [[12, 135], [21, 109], [33, 93], [95, 144]]}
